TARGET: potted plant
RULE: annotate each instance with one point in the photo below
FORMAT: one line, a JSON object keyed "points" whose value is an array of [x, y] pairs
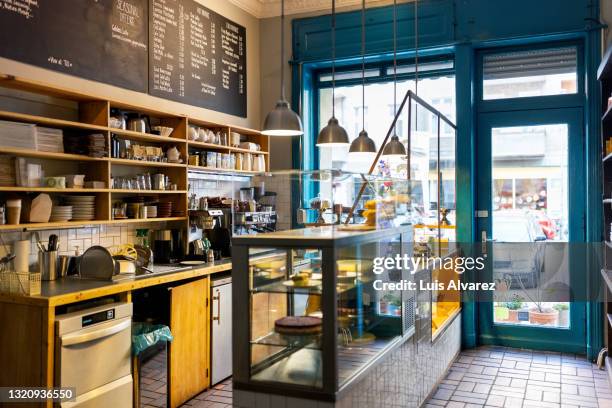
{"points": [[539, 314], [563, 309], [514, 306], [544, 316]]}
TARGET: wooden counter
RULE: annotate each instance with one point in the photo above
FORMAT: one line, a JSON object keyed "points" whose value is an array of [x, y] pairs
{"points": [[27, 338], [70, 290]]}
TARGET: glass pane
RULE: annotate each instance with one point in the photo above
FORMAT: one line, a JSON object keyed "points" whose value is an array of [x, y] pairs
{"points": [[530, 225], [286, 317], [530, 73], [368, 319], [379, 114]]}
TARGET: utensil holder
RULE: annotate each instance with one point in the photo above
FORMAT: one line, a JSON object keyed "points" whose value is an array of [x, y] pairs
{"points": [[47, 262]]}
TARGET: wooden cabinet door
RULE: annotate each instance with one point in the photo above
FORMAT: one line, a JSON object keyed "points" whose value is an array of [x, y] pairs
{"points": [[188, 351]]}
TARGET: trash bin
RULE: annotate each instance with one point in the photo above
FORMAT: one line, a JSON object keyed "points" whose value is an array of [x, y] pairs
{"points": [[147, 337]]}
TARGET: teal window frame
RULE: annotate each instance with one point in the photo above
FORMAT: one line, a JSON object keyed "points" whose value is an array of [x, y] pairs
{"points": [[463, 29]]}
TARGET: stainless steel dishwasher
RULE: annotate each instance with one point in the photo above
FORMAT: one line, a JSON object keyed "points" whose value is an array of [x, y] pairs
{"points": [[93, 353], [221, 329]]}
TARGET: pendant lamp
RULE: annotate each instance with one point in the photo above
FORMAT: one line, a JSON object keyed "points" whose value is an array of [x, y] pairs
{"points": [[395, 148], [333, 134], [363, 145], [282, 121]]}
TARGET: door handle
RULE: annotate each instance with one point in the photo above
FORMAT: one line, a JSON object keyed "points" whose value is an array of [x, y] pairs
{"points": [[218, 299], [71, 340]]}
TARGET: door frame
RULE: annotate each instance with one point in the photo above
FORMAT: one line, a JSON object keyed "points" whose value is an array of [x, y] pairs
{"points": [[567, 340]]}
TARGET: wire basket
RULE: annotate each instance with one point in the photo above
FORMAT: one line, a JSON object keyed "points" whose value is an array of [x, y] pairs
{"points": [[20, 283]]}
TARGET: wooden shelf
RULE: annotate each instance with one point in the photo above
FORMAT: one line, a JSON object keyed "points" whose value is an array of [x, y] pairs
{"points": [[136, 192], [137, 220], [222, 147], [54, 190], [48, 155], [71, 224], [57, 123], [146, 137], [201, 169], [128, 162]]}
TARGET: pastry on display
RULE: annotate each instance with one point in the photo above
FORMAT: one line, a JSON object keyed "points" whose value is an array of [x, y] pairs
{"points": [[298, 325], [301, 279]]}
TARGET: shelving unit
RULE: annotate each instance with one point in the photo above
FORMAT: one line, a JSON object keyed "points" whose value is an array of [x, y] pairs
{"points": [[605, 77], [94, 117]]}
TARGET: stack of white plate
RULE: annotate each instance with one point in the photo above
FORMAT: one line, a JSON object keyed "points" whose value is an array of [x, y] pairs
{"points": [[61, 213], [83, 207]]}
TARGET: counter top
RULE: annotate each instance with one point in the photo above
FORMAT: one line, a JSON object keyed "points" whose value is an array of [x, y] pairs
{"points": [[71, 289]]}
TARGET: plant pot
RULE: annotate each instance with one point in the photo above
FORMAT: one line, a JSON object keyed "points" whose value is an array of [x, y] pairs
{"points": [[501, 313], [513, 316], [548, 317], [564, 318]]}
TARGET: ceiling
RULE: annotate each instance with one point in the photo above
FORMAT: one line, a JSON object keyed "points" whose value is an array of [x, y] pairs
{"points": [[271, 8]]}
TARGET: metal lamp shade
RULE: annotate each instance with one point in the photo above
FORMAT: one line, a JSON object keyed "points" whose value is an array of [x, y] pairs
{"points": [[363, 144], [394, 148], [282, 121], [332, 135]]}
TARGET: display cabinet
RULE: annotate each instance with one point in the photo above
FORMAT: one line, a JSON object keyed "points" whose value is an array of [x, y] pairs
{"points": [[315, 314]]}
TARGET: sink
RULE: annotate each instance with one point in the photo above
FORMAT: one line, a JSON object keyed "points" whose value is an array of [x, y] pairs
{"points": [[160, 270]]}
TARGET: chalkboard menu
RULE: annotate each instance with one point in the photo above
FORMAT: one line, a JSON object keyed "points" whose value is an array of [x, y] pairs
{"points": [[197, 56], [102, 40]]}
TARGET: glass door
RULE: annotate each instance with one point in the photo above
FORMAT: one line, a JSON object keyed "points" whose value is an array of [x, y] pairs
{"points": [[530, 218]]}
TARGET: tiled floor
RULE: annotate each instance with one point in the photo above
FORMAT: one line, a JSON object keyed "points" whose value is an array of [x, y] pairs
{"points": [[509, 378], [153, 388], [482, 377]]}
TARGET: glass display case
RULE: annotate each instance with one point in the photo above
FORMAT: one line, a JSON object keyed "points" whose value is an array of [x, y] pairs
{"points": [[316, 313]]}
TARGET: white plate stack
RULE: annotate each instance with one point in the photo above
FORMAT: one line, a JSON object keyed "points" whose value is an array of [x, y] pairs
{"points": [[83, 207], [61, 213]]}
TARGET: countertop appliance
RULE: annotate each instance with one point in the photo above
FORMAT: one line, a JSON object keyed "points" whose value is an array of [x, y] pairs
{"points": [[166, 246], [220, 235], [93, 354], [221, 329]]}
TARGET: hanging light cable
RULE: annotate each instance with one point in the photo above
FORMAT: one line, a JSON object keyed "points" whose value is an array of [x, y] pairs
{"points": [[333, 134], [363, 145], [395, 148], [282, 121]]}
